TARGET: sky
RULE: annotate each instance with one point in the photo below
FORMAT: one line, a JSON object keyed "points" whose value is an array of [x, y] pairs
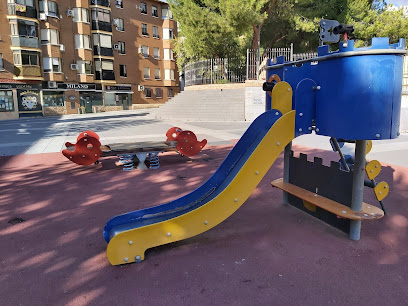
{"points": [[398, 2]]}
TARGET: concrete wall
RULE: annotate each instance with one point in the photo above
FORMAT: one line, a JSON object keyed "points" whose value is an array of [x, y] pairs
{"points": [[404, 114], [254, 100]]}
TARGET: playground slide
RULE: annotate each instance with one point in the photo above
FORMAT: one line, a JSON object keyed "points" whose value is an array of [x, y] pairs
{"points": [[131, 234]]}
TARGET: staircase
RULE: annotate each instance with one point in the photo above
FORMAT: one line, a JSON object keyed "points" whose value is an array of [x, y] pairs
{"points": [[205, 105]]}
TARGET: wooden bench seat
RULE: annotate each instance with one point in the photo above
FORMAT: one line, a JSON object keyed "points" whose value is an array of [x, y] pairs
{"points": [[369, 212], [149, 146]]}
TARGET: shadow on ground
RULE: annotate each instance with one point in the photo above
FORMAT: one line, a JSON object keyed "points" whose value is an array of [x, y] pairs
{"points": [[265, 253]]}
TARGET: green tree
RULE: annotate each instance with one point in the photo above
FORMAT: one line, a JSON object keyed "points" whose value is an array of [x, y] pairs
{"points": [[297, 21], [375, 19], [215, 28], [225, 28]]}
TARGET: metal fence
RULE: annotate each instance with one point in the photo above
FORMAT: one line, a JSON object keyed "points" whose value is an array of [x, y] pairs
{"points": [[215, 71], [405, 77], [256, 65], [238, 70], [303, 56]]}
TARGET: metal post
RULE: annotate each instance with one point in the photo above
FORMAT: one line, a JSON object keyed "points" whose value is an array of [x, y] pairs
{"points": [[211, 69], [258, 64], [286, 156], [291, 52], [247, 63], [358, 186], [343, 160]]}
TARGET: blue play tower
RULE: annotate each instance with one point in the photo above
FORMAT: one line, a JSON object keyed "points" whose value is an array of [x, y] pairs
{"points": [[351, 95]]}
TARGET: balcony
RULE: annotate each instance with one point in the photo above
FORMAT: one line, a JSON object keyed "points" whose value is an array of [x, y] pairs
{"points": [[106, 75], [21, 10], [27, 71], [24, 41], [105, 3], [101, 26], [103, 51]]}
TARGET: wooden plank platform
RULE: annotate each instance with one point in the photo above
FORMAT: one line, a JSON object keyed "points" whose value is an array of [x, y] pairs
{"points": [[369, 212]]}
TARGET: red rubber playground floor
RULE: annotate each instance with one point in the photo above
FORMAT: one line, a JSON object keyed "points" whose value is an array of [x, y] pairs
{"points": [[265, 254]]}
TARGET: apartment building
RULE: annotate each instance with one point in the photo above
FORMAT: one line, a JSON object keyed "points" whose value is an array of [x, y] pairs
{"points": [[71, 56]]}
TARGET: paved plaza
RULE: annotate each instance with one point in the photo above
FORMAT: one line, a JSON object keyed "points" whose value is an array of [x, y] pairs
{"points": [[48, 135]]}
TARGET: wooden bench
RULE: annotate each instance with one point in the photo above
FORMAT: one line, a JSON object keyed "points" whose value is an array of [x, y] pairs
{"points": [[369, 212]]}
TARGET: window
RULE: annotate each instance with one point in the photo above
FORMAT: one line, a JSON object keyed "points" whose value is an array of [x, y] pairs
{"points": [[120, 25], [14, 28], [24, 28], [101, 15], [144, 29], [25, 2], [52, 64], [119, 4], [158, 93], [102, 64], [48, 7], [52, 8], [84, 67], [155, 13], [168, 54], [143, 8], [122, 69], [6, 101], [167, 33], [156, 53], [53, 98], [145, 51], [41, 6], [81, 15], [170, 92], [146, 73], [169, 74], [155, 32], [1, 62], [102, 40], [148, 92], [166, 13], [157, 73], [49, 37], [17, 58], [82, 41], [29, 58], [122, 49]]}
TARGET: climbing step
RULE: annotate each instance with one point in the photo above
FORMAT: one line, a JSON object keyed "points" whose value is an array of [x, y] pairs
{"points": [[369, 212]]}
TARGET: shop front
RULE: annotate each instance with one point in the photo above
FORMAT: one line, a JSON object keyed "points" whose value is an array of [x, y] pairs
{"points": [[90, 100], [71, 98], [29, 103], [19, 100], [118, 97]]}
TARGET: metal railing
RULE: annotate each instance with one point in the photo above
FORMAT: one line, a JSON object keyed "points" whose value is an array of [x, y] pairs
{"points": [[303, 56], [101, 25], [24, 41], [215, 71], [21, 10], [27, 71], [256, 64], [103, 51]]}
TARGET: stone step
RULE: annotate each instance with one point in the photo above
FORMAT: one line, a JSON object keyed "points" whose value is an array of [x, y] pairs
{"points": [[205, 105]]}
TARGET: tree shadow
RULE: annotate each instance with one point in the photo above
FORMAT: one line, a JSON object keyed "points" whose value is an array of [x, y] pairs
{"points": [[57, 255]]}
